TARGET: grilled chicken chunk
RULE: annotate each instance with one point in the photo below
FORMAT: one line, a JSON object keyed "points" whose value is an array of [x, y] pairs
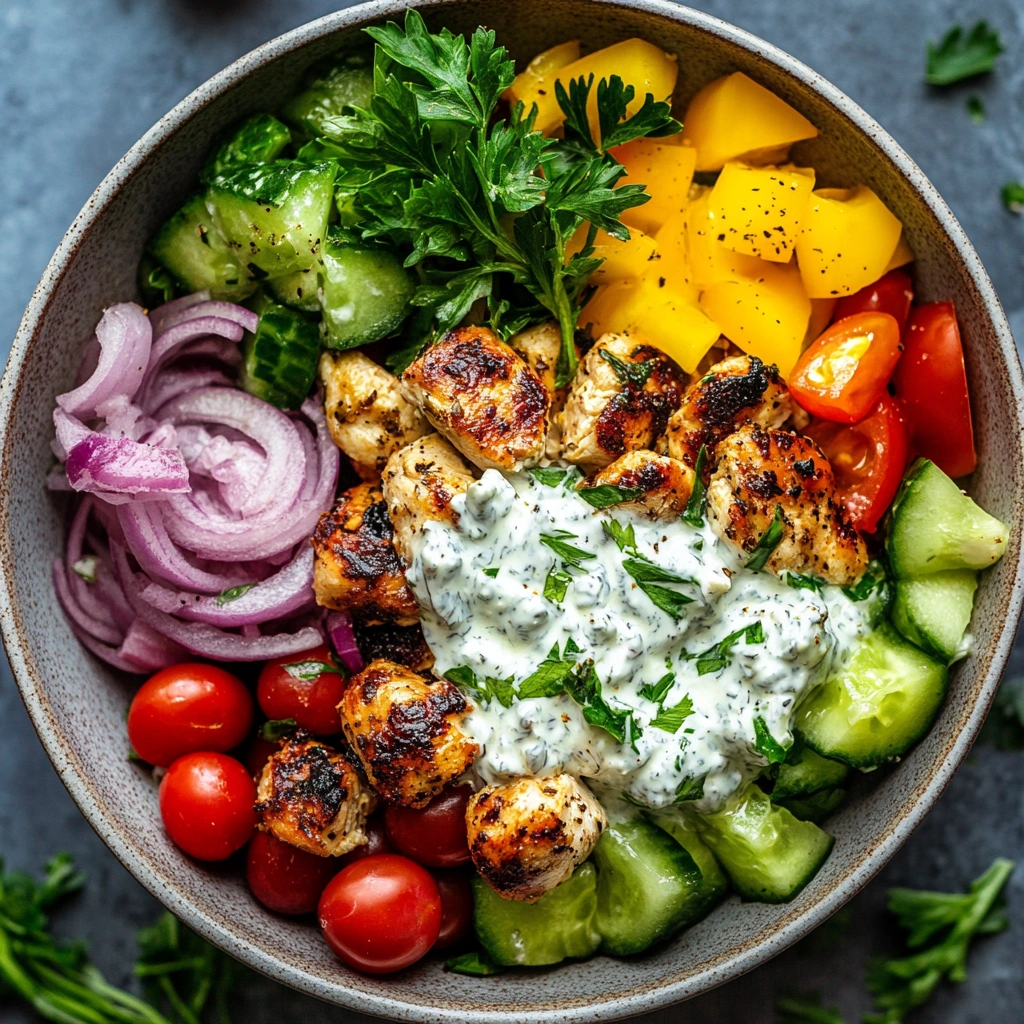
{"points": [[367, 414], [404, 644], [736, 391], [407, 732], [620, 401], [663, 484], [759, 471], [539, 347], [481, 396], [527, 836], [419, 483], [355, 565], [312, 797]]}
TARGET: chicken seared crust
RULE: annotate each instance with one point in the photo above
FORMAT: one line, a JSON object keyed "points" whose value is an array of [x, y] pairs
{"points": [[419, 483], [312, 797], [734, 392], [482, 397], [355, 565], [527, 836], [367, 414], [620, 401], [759, 471], [405, 644], [664, 485], [407, 732]]}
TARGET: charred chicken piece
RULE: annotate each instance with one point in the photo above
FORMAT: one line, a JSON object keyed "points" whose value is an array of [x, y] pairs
{"points": [[662, 485], [405, 645]]}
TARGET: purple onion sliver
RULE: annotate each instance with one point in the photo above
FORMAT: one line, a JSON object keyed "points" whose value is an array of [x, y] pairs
{"points": [[111, 655], [343, 639], [210, 307], [101, 631], [161, 313], [150, 650], [123, 466]]}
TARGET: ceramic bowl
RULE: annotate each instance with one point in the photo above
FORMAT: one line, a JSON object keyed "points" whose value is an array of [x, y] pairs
{"points": [[77, 704]]}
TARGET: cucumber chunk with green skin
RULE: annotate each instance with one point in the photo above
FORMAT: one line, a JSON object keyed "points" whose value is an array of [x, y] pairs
{"points": [[364, 294], [934, 611], [331, 92], [877, 706], [805, 771], [815, 807], [298, 290], [936, 527], [679, 824], [768, 854], [197, 255], [561, 924], [257, 140], [274, 215], [281, 357]]}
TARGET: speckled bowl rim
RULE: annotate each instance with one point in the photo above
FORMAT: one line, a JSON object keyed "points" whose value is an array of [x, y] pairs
{"points": [[643, 998]]}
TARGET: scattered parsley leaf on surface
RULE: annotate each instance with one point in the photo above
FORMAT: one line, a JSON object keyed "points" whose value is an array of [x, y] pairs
{"points": [[799, 581], [569, 553], [768, 542], [671, 719], [976, 109], [766, 744], [658, 691], [624, 536], [1013, 196], [715, 658], [309, 670], [556, 584], [690, 789], [694, 512], [488, 688], [959, 56], [584, 687], [648, 578], [233, 594], [549, 476], [636, 374], [86, 568], [806, 1009], [277, 729], [548, 679], [606, 495], [476, 963], [492, 572]]}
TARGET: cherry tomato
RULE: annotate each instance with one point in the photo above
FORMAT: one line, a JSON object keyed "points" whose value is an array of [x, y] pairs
{"points": [[286, 879], [298, 687], [258, 753], [377, 842], [206, 802], [381, 914], [892, 294], [868, 459], [188, 707], [932, 383], [434, 835], [843, 374], [456, 907]]}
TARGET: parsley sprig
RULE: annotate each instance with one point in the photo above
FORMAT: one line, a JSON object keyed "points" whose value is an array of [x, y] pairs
{"points": [[558, 579], [648, 576], [962, 55], [718, 656]]}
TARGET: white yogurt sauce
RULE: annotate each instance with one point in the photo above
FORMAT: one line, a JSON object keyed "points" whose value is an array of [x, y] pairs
{"points": [[501, 625]]}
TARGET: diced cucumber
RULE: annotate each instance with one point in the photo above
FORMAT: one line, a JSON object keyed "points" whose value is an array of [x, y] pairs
{"points": [[274, 215], [768, 854], [804, 772], [281, 357], [562, 923], [364, 294], [878, 705], [332, 90], [648, 886], [815, 807], [936, 527], [256, 140], [678, 822], [298, 290], [934, 611], [156, 282], [197, 255]]}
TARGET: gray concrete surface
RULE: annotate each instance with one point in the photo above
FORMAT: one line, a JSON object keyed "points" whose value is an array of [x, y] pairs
{"points": [[81, 80]]}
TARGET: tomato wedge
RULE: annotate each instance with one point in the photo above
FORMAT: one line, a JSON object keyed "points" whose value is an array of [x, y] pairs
{"points": [[893, 294], [843, 374], [932, 383], [867, 458]]}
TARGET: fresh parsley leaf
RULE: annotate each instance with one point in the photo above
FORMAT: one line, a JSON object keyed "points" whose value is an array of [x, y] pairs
{"points": [[768, 542], [556, 584], [310, 670], [648, 576], [493, 571], [487, 688], [766, 744], [694, 513], [636, 374], [233, 594], [976, 109], [277, 729], [462, 675], [584, 687], [1013, 196], [548, 679], [658, 691], [549, 476], [476, 963], [715, 658], [624, 536], [606, 495], [690, 789], [671, 719], [569, 553], [959, 56], [874, 584], [806, 1009], [798, 581]]}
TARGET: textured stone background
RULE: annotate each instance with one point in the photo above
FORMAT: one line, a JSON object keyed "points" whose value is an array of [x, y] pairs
{"points": [[81, 80]]}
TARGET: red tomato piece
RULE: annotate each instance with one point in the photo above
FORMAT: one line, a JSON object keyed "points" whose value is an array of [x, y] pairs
{"points": [[258, 753], [377, 842], [434, 835], [206, 802], [306, 687], [285, 879], [188, 707], [932, 383], [867, 458], [381, 914], [892, 294], [843, 374], [456, 907]]}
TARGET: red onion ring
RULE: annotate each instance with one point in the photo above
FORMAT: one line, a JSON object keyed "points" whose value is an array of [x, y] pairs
{"points": [[102, 465], [343, 638]]}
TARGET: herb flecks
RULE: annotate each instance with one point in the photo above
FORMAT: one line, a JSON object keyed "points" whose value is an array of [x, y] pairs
{"points": [[233, 594], [694, 513], [717, 657], [962, 55], [768, 542], [766, 745]]}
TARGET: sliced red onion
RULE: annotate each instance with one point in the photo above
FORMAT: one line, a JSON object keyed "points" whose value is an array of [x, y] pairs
{"points": [[149, 649], [167, 310], [101, 631], [69, 431], [120, 466], [111, 655], [170, 383], [343, 639], [225, 310]]}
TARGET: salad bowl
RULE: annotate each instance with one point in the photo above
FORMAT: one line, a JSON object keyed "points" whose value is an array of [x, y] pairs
{"points": [[77, 705]]}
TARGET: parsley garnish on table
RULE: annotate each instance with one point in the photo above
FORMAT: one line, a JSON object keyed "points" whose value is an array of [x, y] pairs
{"points": [[962, 55], [485, 208]]}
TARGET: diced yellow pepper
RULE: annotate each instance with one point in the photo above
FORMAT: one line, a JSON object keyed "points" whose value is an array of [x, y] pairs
{"points": [[603, 312], [638, 63], [710, 262], [849, 237], [673, 261], [622, 259], [734, 118], [538, 70], [821, 317], [766, 314], [758, 211], [666, 170], [902, 256]]}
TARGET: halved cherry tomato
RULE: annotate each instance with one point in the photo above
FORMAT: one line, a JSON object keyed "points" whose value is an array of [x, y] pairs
{"points": [[188, 707], [381, 914], [306, 687], [376, 841], [206, 802], [893, 294], [843, 374], [932, 383], [868, 459], [434, 835], [285, 879], [456, 906]]}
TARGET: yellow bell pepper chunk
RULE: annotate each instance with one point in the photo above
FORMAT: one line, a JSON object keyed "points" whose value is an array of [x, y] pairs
{"points": [[673, 261], [637, 62], [710, 262], [540, 68], [622, 259], [603, 313], [758, 211], [667, 171], [734, 118], [849, 237], [902, 256], [765, 314]]}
